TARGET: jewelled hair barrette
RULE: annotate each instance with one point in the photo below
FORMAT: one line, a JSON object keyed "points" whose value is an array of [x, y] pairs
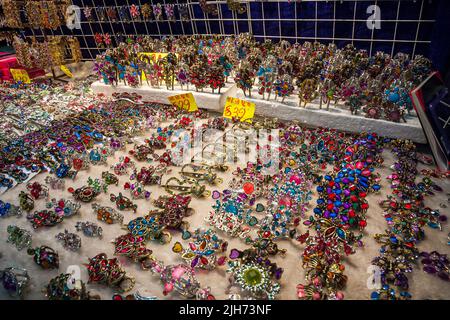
{"points": [[202, 250], [186, 187], [109, 272]]}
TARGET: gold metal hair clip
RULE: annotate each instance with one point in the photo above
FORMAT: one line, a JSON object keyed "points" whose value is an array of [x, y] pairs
{"points": [[201, 173], [186, 187]]}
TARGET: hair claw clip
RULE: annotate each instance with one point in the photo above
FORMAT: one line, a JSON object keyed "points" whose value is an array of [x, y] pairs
{"points": [[195, 189]]}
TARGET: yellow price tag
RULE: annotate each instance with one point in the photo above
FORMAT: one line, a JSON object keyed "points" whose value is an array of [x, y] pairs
{"points": [[241, 109], [20, 75], [185, 101], [66, 71]]}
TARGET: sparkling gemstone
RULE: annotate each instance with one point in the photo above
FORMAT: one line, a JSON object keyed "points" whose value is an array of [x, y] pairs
{"points": [[252, 276]]}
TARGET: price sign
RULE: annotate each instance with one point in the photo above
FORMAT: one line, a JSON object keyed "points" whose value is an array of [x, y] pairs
{"points": [[237, 108], [185, 101], [66, 71], [20, 75]]}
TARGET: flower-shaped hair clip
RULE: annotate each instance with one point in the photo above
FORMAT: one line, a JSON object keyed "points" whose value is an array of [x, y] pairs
{"points": [[37, 190], [182, 279], [202, 250], [123, 203], [255, 275], [107, 214], [7, 209], [65, 208], [121, 168]]}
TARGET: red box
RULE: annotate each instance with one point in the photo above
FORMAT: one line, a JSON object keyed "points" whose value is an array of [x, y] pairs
{"points": [[8, 61]]}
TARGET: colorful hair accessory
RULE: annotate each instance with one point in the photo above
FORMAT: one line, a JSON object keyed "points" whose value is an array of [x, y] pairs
{"points": [[21, 238], [255, 275], [202, 250], [123, 203], [37, 190], [55, 183], [148, 228], [45, 257], [14, 280], [107, 214], [65, 208], [58, 289], [109, 272], [7, 209], [70, 241], [182, 279], [133, 248], [44, 218], [89, 229]]}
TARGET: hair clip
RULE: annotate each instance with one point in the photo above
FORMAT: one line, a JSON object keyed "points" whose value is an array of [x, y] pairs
{"points": [[99, 156], [84, 194], [436, 263], [175, 209], [65, 208], [146, 10], [182, 279], [253, 274], [7, 209], [134, 12], [80, 162], [200, 173], [133, 248], [157, 11], [14, 280], [147, 176], [235, 5], [148, 228], [195, 189], [101, 13], [37, 190], [70, 241], [208, 8], [232, 214], [21, 238], [143, 153], [45, 257], [55, 183], [107, 214], [44, 218], [88, 13], [63, 171], [170, 12], [6, 182], [58, 289], [183, 11], [202, 250], [110, 178], [123, 14], [137, 190], [122, 202], [112, 14], [121, 168], [89, 229], [109, 272]]}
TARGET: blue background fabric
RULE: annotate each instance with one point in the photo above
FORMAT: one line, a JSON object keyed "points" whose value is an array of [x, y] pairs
{"points": [[303, 28]]}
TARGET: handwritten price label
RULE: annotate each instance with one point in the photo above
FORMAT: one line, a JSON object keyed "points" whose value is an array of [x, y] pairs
{"points": [[20, 75], [185, 101], [66, 71], [237, 108]]}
